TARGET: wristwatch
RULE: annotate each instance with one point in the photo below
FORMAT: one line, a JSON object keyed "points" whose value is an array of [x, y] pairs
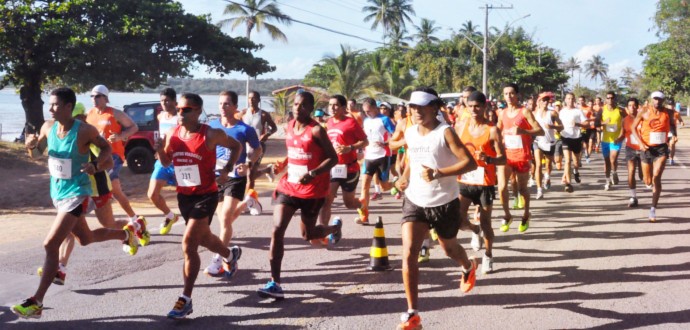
{"points": [[312, 173]]}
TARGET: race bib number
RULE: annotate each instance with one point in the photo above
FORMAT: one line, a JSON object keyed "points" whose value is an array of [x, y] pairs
{"points": [[513, 141], [187, 176], [339, 171], [60, 168], [544, 145], [611, 128], [474, 177], [657, 137], [296, 172], [633, 140]]}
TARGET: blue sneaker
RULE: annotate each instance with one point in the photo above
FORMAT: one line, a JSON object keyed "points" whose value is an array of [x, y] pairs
{"points": [[230, 266], [271, 290], [182, 309], [334, 238]]}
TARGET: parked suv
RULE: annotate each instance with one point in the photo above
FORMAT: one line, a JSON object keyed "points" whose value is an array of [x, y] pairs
{"points": [[139, 148]]}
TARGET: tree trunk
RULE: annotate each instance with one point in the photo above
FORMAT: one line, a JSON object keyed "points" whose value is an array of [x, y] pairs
{"points": [[30, 95]]}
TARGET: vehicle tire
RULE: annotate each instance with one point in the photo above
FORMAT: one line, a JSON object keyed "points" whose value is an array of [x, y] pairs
{"points": [[140, 160]]}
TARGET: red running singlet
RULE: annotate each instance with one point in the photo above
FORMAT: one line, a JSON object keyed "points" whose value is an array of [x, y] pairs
{"points": [[194, 163], [304, 155]]}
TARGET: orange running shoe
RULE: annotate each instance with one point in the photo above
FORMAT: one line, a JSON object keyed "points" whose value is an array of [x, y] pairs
{"points": [[468, 279], [410, 322], [363, 218]]}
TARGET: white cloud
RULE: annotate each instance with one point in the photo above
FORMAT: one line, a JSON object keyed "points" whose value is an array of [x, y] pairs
{"points": [[615, 69], [586, 52], [297, 68]]}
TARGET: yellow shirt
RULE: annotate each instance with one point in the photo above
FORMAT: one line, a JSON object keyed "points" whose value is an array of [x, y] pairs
{"points": [[612, 122]]}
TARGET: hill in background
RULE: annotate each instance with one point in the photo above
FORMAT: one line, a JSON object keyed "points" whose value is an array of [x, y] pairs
{"points": [[214, 86]]}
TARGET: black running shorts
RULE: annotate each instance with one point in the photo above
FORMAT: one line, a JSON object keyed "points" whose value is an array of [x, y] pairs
{"points": [[197, 206], [444, 218]]}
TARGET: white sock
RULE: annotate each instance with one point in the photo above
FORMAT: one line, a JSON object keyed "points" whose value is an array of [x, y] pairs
{"points": [[62, 267], [187, 299], [412, 311], [633, 193], [539, 189], [377, 189], [546, 177], [134, 218], [170, 215]]}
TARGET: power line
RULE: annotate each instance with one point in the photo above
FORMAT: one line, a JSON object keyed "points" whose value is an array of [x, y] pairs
{"points": [[305, 23], [323, 16], [341, 4]]}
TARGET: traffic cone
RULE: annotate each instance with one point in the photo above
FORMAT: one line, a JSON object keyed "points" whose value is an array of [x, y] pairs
{"points": [[379, 251]]}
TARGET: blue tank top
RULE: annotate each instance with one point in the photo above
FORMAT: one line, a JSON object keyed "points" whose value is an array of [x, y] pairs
{"points": [[64, 162]]}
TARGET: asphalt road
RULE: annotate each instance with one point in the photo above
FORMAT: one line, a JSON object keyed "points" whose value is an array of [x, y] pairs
{"points": [[587, 261]]}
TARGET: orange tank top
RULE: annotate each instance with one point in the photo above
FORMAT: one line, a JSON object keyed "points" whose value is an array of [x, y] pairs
{"points": [[630, 140], [654, 130], [107, 125], [517, 146], [485, 174]]}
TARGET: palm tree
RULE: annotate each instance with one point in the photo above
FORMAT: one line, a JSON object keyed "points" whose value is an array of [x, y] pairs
{"points": [[572, 65], [398, 38], [596, 68], [628, 75], [388, 13], [255, 14], [469, 29], [282, 102], [425, 31], [351, 73]]}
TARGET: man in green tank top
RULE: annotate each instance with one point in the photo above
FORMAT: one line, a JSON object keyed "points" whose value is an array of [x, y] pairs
{"points": [[69, 141]]}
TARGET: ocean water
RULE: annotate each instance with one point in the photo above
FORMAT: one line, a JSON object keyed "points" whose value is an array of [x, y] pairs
{"points": [[12, 118]]}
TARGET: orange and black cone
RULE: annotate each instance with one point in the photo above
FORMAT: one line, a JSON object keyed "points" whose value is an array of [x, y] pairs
{"points": [[379, 251]]}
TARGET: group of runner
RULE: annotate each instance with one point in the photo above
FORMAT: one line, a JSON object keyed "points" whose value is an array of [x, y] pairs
{"points": [[443, 159]]}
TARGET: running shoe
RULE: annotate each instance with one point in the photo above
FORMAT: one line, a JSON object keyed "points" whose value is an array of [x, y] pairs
{"points": [[215, 269], [524, 225], [410, 321], [547, 184], [363, 218], [649, 186], [569, 188], [28, 309], [587, 160], [167, 224], [614, 177], [253, 204], [59, 278], [576, 175], [531, 183], [433, 234], [334, 238], [540, 194], [487, 264], [376, 196], [673, 162], [142, 234], [469, 278], [269, 173], [398, 195], [632, 202], [505, 224], [652, 215], [607, 186], [423, 255], [476, 242], [130, 244], [516, 203], [271, 290], [230, 266], [181, 309], [521, 202], [394, 191]]}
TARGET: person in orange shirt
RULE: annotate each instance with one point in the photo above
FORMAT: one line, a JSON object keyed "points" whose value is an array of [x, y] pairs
{"points": [[632, 147], [655, 123], [678, 120], [589, 135], [116, 127], [483, 141]]}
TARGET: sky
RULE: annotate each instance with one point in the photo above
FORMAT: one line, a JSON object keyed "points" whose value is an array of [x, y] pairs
{"points": [[615, 29]]}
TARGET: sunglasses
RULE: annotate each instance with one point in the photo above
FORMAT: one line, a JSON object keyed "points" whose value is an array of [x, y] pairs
{"points": [[186, 109], [609, 98]]}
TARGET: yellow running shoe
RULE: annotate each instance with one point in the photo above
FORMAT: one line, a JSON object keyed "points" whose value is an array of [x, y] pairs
{"points": [[130, 244], [143, 234], [29, 309], [505, 225], [521, 202], [167, 225], [433, 234]]}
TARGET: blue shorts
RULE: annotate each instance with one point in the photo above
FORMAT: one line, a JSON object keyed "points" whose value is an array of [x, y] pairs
{"points": [[166, 174], [607, 147], [114, 173]]}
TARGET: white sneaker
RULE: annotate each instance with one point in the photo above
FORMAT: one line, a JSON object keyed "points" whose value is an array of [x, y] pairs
{"points": [[255, 208], [607, 186], [476, 241], [540, 194], [215, 269], [487, 265], [531, 183]]}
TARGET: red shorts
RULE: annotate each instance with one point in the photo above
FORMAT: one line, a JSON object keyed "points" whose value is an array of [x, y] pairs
{"points": [[100, 201], [519, 166]]}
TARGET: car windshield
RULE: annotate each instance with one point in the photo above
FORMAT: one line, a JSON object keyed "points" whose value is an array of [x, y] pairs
{"points": [[142, 115]]}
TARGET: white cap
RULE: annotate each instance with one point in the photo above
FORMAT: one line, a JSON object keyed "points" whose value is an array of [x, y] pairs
{"points": [[100, 89], [386, 104], [658, 95], [422, 98]]}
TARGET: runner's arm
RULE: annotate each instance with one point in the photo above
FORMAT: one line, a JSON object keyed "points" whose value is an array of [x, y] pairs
{"points": [[272, 128], [129, 127], [635, 132], [253, 142], [536, 130], [321, 138], [556, 119], [495, 137], [404, 179], [395, 140], [162, 147], [466, 162], [104, 160], [219, 138], [39, 142]]}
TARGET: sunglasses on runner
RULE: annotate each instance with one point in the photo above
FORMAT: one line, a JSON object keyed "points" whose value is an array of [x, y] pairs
{"points": [[185, 109]]}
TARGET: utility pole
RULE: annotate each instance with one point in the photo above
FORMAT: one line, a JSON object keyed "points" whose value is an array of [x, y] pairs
{"points": [[485, 49]]}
